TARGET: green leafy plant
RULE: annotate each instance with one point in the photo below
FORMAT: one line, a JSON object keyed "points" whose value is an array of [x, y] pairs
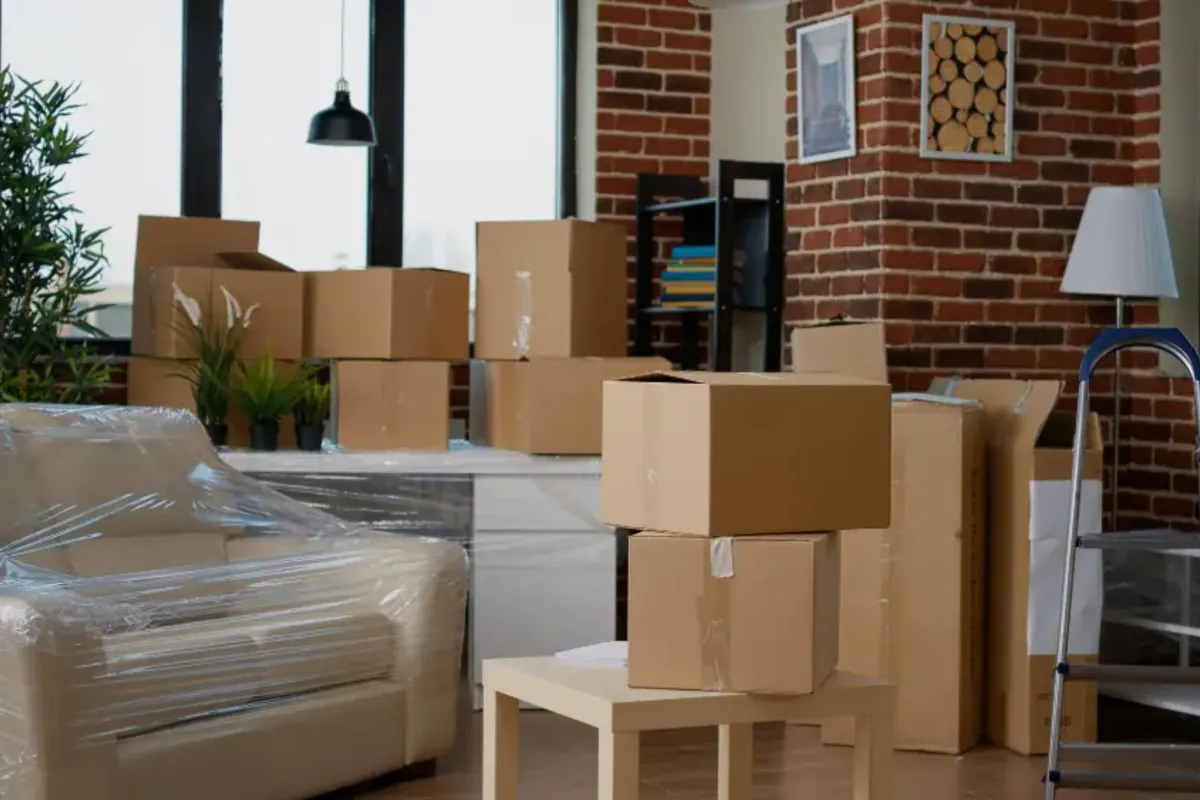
{"points": [[215, 346], [264, 392], [50, 265], [313, 408]]}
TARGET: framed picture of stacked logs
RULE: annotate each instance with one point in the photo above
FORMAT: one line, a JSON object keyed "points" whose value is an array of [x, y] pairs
{"points": [[967, 88], [826, 91]]}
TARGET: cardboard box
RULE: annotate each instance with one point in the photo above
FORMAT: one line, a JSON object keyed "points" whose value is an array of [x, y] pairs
{"points": [[392, 405], [200, 256], [752, 614], [728, 454], [555, 288], [383, 313], [1029, 447], [162, 383], [912, 596], [551, 406]]}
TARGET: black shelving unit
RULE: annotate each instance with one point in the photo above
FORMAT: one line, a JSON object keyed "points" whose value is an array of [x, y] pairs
{"points": [[749, 226]]}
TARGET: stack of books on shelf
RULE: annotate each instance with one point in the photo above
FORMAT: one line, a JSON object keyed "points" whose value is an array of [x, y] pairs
{"points": [[689, 279]]}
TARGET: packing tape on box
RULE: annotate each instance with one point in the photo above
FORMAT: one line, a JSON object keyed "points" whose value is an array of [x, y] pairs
{"points": [[524, 336], [713, 617]]}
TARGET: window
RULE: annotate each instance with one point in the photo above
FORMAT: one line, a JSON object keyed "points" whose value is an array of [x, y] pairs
{"points": [[481, 122], [280, 62], [129, 89]]}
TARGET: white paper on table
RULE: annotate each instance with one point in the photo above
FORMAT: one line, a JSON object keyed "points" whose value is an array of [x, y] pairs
{"points": [[605, 654], [1049, 513]]}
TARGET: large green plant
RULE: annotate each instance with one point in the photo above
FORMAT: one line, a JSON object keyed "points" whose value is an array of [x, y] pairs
{"points": [[50, 265]]}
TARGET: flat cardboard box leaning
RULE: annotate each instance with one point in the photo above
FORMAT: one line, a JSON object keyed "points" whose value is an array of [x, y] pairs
{"points": [[785, 525]]}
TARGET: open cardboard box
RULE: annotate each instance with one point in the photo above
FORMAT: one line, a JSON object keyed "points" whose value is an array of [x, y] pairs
{"points": [[203, 259]]}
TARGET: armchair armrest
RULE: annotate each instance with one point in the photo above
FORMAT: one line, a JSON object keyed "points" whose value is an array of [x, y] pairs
{"points": [[53, 741], [419, 585]]}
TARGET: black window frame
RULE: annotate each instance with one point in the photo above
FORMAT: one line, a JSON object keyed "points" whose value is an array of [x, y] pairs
{"points": [[201, 125]]}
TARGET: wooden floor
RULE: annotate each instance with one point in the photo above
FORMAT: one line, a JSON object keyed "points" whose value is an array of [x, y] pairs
{"points": [[558, 762]]}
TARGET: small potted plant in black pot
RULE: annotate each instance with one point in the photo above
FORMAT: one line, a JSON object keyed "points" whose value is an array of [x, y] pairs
{"points": [[209, 373], [311, 413], [266, 394]]}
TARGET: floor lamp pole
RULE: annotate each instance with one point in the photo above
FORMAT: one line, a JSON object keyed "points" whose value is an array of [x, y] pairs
{"points": [[1113, 503]]}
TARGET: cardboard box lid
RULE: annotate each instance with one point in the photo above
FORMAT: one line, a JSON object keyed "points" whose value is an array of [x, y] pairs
{"points": [[252, 260], [848, 348], [191, 241], [748, 379]]}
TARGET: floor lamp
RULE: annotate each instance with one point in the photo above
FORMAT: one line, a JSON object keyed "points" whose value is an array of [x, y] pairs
{"points": [[1121, 251]]}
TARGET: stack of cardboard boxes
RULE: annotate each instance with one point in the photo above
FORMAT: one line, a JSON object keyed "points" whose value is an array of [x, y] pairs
{"points": [[550, 327], [956, 602], [737, 484], [393, 336], [203, 259]]}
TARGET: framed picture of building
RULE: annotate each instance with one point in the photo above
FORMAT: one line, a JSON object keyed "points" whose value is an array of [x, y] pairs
{"points": [[967, 87], [827, 126]]}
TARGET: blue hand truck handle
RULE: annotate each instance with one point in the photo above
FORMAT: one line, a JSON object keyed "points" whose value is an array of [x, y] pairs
{"points": [[1168, 340]]}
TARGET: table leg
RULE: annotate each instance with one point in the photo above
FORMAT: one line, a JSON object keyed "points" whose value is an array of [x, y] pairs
{"points": [[735, 762], [873, 748], [619, 766], [501, 740]]}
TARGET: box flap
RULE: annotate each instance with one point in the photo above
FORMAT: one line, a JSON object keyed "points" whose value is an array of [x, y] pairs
{"points": [[858, 349], [701, 378], [252, 260], [190, 241], [1015, 410]]}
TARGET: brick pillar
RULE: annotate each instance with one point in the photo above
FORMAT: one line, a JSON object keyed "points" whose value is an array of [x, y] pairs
{"points": [[963, 259], [653, 109]]}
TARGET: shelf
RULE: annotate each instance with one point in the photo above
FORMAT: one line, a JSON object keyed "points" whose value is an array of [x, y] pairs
{"points": [[699, 202], [679, 205], [697, 310], [1181, 699]]}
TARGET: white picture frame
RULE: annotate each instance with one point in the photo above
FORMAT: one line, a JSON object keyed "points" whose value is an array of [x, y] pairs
{"points": [[968, 88], [826, 91]]}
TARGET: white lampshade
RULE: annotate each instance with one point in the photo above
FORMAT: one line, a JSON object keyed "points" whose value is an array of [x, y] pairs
{"points": [[1121, 249], [721, 4]]}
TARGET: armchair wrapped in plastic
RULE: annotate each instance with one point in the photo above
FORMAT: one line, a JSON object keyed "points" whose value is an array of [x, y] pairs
{"points": [[170, 628]]}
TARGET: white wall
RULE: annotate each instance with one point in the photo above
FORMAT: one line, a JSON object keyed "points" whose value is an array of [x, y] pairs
{"points": [[749, 118], [585, 112]]}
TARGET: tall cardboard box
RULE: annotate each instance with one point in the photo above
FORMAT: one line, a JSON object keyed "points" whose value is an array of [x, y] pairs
{"points": [[751, 614], [392, 405], [556, 288], [161, 383], [729, 454], [199, 257], [1029, 446], [912, 604], [382, 313], [552, 406]]}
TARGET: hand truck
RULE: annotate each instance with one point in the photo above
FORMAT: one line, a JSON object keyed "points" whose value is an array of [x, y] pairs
{"points": [[1173, 342]]}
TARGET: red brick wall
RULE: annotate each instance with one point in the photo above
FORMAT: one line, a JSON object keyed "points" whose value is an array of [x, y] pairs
{"points": [[653, 106], [963, 259]]}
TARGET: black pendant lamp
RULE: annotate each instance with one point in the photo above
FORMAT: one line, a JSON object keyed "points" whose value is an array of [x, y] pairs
{"points": [[342, 125]]}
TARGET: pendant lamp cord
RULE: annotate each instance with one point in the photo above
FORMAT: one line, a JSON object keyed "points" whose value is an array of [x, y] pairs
{"points": [[342, 55]]}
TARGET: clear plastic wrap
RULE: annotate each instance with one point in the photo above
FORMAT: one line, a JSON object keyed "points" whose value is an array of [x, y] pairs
{"points": [[170, 627], [545, 570]]}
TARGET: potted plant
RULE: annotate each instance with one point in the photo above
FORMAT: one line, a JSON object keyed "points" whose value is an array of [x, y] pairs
{"points": [[211, 371], [266, 394], [311, 413], [50, 265]]}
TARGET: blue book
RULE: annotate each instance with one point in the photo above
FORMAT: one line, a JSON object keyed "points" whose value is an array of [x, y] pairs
{"points": [[694, 251], [689, 275]]}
